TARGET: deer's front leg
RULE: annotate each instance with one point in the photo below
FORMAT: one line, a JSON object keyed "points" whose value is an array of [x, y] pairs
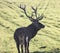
{"points": [[27, 47]]}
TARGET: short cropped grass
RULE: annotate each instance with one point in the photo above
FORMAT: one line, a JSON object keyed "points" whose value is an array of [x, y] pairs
{"points": [[47, 40]]}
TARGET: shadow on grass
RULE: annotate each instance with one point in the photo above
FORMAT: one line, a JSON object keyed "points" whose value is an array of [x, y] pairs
{"points": [[56, 50], [37, 52]]}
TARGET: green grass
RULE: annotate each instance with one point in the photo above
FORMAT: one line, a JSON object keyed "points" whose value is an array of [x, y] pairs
{"points": [[10, 20]]}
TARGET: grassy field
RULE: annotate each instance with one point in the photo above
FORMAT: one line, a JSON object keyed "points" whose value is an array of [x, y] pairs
{"points": [[10, 20]]}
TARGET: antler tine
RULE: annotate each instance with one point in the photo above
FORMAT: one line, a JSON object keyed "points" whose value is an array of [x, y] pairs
{"points": [[23, 7], [35, 11], [41, 17], [33, 8]]}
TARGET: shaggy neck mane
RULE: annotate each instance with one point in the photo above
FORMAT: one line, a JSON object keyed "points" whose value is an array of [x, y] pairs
{"points": [[32, 26]]}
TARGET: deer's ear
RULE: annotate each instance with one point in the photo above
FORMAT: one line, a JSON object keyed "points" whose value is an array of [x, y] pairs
{"points": [[31, 19]]}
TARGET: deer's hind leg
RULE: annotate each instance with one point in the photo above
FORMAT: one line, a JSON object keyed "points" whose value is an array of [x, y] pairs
{"points": [[26, 45], [17, 45], [21, 48], [22, 44]]}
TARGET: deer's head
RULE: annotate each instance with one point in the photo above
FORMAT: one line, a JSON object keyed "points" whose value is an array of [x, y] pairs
{"points": [[35, 22]]}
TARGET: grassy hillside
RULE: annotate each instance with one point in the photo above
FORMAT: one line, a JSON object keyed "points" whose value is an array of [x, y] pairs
{"points": [[10, 20]]}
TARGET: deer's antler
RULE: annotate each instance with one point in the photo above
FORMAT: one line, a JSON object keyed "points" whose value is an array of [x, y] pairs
{"points": [[23, 7]]}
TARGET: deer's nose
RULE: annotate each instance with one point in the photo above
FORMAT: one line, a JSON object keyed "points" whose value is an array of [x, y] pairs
{"points": [[43, 26]]}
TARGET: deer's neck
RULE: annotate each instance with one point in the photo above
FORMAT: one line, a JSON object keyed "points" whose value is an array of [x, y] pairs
{"points": [[32, 30], [33, 27]]}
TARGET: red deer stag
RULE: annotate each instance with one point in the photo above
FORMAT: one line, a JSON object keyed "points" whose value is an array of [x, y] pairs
{"points": [[23, 35]]}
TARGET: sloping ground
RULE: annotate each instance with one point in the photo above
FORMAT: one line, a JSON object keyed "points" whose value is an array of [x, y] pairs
{"points": [[47, 39]]}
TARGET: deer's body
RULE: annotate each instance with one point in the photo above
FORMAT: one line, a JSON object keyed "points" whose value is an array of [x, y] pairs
{"points": [[23, 35], [29, 31]]}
